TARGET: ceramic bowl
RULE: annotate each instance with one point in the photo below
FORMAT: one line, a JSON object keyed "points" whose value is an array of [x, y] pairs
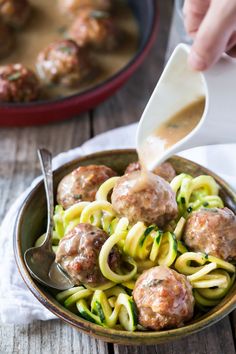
{"points": [[41, 112], [31, 223]]}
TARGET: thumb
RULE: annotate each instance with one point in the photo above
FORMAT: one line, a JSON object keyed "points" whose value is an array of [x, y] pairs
{"points": [[213, 35]]}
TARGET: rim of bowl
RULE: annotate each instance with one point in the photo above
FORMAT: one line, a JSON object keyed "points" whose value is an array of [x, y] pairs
{"points": [[108, 334], [134, 62]]}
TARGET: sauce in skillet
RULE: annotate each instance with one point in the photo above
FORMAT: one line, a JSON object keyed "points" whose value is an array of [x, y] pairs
{"points": [[48, 24]]}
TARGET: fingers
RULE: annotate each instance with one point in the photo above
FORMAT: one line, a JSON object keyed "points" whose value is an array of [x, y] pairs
{"points": [[231, 43], [232, 52], [213, 34], [194, 12]]}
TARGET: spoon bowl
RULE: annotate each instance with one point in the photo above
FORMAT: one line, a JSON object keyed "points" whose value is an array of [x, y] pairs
{"points": [[40, 260], [50, 274]]}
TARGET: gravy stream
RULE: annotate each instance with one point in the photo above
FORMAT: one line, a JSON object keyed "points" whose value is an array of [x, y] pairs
{"points": [[168, 133], [48, 23]]}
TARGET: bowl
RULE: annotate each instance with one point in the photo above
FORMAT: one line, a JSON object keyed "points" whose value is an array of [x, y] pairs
{"points": [[31, 223], [41, 112]]}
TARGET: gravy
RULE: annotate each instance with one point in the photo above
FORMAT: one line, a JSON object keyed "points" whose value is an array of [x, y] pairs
{"points": [[171, 131], [181, 124], [48, 23]]}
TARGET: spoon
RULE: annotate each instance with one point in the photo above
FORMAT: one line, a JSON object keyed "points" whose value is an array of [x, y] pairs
{"points": [[178, 87], [40, 261]]}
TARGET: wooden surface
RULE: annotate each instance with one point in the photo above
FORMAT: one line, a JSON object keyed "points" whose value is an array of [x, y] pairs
{"points": [[18, 167]]}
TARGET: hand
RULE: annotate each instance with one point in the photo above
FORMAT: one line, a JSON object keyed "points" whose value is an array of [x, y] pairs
{"points": [[212, 25]]}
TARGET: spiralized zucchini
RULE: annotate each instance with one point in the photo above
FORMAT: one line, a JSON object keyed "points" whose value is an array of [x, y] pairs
{"points": [[142, 247], [211, 278], [142, 243], [109, 308], [194, 193]]}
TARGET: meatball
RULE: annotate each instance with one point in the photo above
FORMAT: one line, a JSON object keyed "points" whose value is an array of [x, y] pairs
{"points": [[165, 170], [82, 184], [95, 29], [163, 298], [18, 84], [63, 62], [6, 40], [212, 231], [133, 166], [78, 254], [148, 198], [72, 6], [15, 12]]}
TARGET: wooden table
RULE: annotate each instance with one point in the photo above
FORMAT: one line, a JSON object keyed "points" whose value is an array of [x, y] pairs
{"points": [[18, 167]]}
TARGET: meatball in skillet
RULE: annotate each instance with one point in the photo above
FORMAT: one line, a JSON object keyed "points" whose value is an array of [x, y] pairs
{"points": [[63, 62], [82, 184], [78, 254], [212, 231], [6, 40], [163, 298], [144, 198], [95, 29], [18, 84], [15, 12], [165, 170], [72, 6]]}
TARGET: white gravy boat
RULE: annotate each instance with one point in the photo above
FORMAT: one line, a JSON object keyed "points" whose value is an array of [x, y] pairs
{"points": [[179, 86]]}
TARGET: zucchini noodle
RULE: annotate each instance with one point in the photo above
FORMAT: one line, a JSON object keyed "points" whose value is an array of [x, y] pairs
{"points": [[178, 231], [194, 193], [106, 188], [208, 297], [95, 210], [107, 308], [210, 278], [98, 213], [142, 247], [146, 243], [106, 249]]}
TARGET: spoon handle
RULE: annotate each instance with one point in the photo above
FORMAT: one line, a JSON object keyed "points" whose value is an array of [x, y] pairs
{"points": [[45, 158]]}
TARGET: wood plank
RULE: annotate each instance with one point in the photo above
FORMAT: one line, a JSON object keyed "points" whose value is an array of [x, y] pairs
{"points": [[19, 162], [214, 340], [233, 325], [47, 337]]}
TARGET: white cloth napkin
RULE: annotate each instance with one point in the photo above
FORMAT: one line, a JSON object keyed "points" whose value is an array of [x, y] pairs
{"points": [[17, 304]]}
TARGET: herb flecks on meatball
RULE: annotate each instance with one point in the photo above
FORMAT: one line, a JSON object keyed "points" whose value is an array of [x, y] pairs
{"points": [[163, 298], [6, 40], [15, 12], [82, 184], [147, 198], [212, 231], [165, 170], [18, 84], [95, 29], [78, 254], [64, 63]]}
